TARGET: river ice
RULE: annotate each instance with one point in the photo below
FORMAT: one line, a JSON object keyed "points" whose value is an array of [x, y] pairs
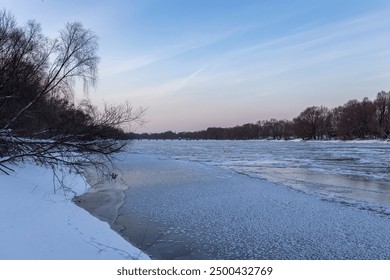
{"points": [[354, 172], [180, 209]]}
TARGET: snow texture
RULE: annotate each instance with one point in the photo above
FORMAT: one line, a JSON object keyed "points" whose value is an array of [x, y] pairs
{"points": [[40, 221]]}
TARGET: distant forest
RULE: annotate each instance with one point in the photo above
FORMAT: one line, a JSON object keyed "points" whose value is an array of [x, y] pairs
{"points": [[364, 119]]}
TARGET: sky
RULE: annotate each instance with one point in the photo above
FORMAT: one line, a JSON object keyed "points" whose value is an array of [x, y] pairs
{"points": [[195, 64]]}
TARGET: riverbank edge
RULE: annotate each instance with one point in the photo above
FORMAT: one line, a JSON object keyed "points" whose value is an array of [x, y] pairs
{"points": [[103, 200]]}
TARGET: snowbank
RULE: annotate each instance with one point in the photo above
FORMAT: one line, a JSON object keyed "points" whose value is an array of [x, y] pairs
{"points": [[40, 221]]}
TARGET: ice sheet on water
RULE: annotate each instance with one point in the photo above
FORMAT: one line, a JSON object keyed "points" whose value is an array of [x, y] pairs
{"points": [[355, 170], [221, 214]]}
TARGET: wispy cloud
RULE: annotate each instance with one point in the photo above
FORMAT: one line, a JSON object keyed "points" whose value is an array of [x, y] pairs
{"points": [[116, 66], [179, 46], [357, 37], [168, 87]]}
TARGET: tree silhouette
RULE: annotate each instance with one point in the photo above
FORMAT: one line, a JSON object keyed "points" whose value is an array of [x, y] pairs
{"points": [[39, 120]]}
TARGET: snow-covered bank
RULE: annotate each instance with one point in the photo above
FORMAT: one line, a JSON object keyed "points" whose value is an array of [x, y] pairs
{"points": [[37, 222]]}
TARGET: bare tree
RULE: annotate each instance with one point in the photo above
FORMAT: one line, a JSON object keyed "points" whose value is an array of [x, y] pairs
{"points": [[356, 119], [382, 104], [74, 57], [312, 123], [22, 65], [95, 144], [37, 78]]}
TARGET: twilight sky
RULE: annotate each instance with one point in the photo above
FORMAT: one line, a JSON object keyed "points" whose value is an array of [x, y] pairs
{"points": [[200, 63]]}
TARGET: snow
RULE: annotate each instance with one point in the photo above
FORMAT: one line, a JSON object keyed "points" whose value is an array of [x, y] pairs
{"points": [[208, 200], [40, 221]]}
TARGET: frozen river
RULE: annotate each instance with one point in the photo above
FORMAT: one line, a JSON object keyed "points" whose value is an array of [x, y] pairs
{"points": [[355, 172], [251, 199]]}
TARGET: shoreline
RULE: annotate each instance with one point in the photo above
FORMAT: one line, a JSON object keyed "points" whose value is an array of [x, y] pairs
{"points": [[58, 229], [103, 200]]}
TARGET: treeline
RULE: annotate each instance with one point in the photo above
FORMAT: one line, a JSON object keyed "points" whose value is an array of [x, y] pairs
{"points": [[364, 119]]}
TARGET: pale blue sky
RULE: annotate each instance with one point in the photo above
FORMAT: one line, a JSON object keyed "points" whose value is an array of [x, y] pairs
{"points": [[196, 64]]}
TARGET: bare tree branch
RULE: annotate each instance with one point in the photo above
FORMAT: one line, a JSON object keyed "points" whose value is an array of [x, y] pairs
{"points": [[75, 57], [38, 122]]}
